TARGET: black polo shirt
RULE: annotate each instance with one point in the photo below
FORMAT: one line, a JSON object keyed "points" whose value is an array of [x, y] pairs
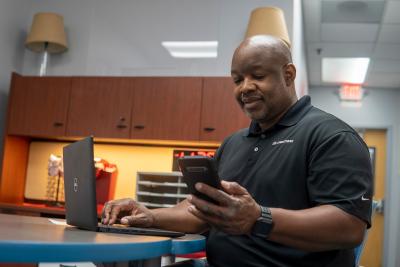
{"points": [[308, 158]]}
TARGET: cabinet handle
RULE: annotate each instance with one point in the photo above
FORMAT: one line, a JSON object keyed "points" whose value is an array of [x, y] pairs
{"points": [[121, 126], [58, 124], [209, 129], [139, 127]]}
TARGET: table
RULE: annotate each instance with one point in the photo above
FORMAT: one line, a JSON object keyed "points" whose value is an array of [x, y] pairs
{"points": [[25, 239], [185, 245], [36, 209]]}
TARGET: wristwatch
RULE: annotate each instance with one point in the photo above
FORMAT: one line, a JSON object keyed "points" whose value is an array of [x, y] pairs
{"points": [[264, 224]]}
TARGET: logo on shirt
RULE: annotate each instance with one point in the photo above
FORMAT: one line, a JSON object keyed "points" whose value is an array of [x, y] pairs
{"points": [[364, 198], [282, 142]]}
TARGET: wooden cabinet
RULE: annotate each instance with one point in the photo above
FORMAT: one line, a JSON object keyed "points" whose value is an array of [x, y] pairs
{"points": [[100, 106], [166, 108], [38, 105], [220, 113], [161, 108]]}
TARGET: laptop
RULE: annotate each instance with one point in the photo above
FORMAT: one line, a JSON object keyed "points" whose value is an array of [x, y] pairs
{"points": [[80, 193]]}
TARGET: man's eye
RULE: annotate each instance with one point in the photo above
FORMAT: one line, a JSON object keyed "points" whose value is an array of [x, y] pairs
{"points": [[259, 77], [237, 81]]}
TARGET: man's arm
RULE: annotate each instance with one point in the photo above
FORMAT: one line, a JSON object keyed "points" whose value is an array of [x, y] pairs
{"points": [[128, 211], [316, 229], [178, 218]]}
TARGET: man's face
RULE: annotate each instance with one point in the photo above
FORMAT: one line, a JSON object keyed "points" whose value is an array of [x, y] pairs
{"points": [[260, 86]]}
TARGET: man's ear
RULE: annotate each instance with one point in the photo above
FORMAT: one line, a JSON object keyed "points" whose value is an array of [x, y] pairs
{"points": [[289, 73]]}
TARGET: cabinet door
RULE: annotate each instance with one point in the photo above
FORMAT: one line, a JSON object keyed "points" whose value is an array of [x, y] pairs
{"points": [[221, 115], [38, 105], [100, 106], [166, 108]]}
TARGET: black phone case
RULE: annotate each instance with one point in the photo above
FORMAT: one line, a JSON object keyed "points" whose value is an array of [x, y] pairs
{"points": [[199, 169]]}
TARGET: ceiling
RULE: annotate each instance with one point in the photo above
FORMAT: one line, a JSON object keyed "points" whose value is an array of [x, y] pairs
{"points": [[354, 28]]}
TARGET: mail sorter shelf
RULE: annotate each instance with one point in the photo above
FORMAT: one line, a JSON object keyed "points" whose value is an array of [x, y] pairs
{"points": [[160, 189]]}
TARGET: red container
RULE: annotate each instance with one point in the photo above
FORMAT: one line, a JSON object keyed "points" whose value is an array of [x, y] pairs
{"points": [[105, 185]]}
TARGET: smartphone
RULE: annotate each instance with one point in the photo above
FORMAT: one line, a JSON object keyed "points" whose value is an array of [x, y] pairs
{"points": [[199, 169]]}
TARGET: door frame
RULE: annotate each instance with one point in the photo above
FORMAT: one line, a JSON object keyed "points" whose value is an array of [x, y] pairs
{"points": [[389, 241]]}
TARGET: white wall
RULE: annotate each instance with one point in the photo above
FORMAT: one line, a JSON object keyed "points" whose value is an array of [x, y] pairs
{"points": [[380, 110], [13, 18], [299, 50], [123, 37]]}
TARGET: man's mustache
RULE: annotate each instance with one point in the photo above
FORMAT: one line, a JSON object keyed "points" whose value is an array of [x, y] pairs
{"points": [[247, 98]]}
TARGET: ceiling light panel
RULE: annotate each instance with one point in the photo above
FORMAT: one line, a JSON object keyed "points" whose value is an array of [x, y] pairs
{"points": [[352, 11], [198, 49], [344, 70]]}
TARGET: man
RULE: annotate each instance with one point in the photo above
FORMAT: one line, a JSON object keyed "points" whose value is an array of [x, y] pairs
{"points": [[297, 183]]}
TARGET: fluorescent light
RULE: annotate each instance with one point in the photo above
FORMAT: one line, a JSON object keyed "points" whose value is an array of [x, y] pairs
{"points": [[199, 49], [344, 70]]}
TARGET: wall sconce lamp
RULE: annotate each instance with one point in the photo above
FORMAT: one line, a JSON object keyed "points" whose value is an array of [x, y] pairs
{"points": [[46, 36], [269, 21]]}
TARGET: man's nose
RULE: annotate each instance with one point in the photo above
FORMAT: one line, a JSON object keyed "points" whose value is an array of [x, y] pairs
{"points": [[247, 86]]}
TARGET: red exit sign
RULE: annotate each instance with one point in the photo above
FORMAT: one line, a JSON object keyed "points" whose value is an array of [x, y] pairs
{"points": [[351, 92]]}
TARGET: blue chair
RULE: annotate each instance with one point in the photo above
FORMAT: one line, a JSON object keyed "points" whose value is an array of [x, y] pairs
{"points": [[358, 250]]}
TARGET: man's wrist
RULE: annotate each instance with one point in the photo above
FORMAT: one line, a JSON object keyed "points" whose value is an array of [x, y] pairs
{"points": [[264, 224]]}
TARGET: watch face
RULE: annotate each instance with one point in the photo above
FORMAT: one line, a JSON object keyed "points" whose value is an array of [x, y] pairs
{"points": [[262, 228]]}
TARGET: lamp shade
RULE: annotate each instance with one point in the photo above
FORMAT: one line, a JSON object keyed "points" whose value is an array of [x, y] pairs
{"points": [[269, 21], [47, 27]]}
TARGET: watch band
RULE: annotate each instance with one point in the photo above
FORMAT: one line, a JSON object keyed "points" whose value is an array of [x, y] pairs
{"points": [[264, 224], [266, 215]]}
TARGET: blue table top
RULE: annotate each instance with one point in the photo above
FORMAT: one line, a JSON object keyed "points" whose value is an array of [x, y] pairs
{"points": [[33, 239], [188, 244]]}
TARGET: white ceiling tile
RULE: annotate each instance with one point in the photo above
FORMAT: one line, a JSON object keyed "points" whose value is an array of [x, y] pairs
{"points": [[383, 80], [391, 14], [389, 33], [386, 51], [342, 49], [355, 32], [340, 11], [385, 65]]}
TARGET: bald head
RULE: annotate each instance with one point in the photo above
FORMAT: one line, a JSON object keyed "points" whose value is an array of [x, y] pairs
{"points": [[267, 45]]}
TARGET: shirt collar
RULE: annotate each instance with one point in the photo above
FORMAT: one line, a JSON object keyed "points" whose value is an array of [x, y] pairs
{"points": [[291, 117]]}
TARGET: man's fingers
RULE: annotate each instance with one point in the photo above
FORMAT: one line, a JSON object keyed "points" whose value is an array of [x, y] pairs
{"points": [[135, 220], [210, 219], [128, 220], [105, 215], [218, 195], [233, 188], [207, 207], [115, 210]]}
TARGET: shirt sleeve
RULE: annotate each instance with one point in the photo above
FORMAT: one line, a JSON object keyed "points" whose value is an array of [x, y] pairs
{"points": [[340, 174]]}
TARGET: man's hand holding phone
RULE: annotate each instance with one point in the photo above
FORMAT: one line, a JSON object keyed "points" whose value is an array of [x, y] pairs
{"points": [[235, 212], [224, 205]]}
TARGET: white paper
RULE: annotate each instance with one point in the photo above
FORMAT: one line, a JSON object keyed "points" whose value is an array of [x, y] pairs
{"points": [[58, 222]]}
